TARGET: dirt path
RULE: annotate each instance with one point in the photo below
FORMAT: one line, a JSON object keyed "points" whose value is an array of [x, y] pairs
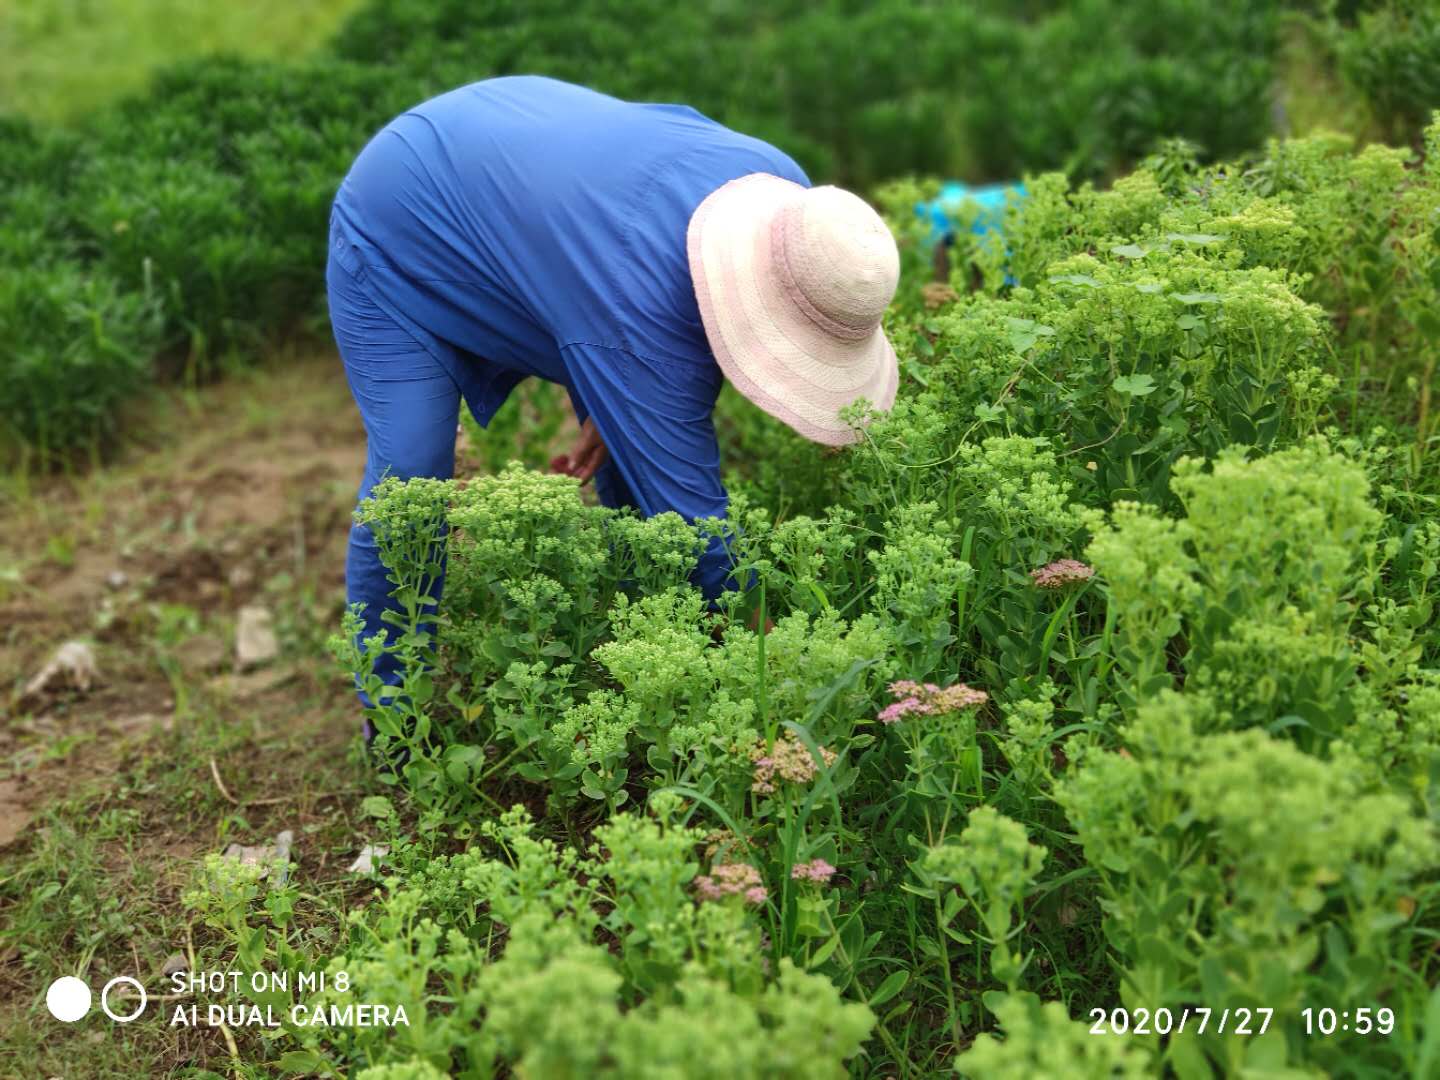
{"points": [[237, 495], [242, 498]]}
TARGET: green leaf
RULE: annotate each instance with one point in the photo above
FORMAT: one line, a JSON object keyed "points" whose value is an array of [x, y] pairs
{"points": [[916, 370], [1430, 1045], [300, 1061], [957, 936], [994, 999], [377, 806], [1129, 251], [1194, 238], [1186, 1058], [1134, 385], [822, 697], [1266, 1053], [824, 952], [989, 413], [1214, 980], [954, 901], [810, 920], [1025, 332], [1197, 297], [385, 722], [457, 770], [1075, 279], [898, 1011], [893, 984]]}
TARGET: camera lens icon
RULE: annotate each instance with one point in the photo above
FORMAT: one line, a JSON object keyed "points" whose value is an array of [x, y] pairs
{"points": [[69, 999], [105, 998]]}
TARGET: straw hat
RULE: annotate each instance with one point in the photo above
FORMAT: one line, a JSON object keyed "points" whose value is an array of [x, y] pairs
{"points": [[792, 282]]}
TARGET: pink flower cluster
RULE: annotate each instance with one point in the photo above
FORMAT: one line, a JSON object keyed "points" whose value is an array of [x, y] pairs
{"points": [[731, 879], [788, 759], [1061, 573], [816, 870], [915, 699]]}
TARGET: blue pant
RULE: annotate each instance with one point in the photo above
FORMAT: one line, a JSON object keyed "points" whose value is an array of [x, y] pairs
{"points": [[410, 405]]}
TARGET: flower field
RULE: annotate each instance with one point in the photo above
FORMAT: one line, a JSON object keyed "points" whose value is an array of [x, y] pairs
{"points": [[1082, 719]]}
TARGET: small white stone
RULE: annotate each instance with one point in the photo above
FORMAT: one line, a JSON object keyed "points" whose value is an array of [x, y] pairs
{"points": [[369, 855], [284, 840], [255, 641], [73, 664]]}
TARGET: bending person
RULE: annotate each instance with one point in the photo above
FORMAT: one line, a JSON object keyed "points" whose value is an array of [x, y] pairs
{"points": [[635, 254]]}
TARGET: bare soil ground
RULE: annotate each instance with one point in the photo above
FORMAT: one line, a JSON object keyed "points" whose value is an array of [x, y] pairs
{"points": [[250, 496], [237, 494]]}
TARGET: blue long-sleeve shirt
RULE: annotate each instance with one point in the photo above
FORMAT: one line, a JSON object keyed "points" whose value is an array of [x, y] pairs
{"points": [[525, 226]]}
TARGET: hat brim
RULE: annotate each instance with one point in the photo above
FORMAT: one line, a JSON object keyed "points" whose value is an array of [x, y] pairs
{"points": [[763, 342]]}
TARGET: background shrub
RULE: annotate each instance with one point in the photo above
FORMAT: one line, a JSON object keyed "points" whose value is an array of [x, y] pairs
{"points": [[217, 180]]}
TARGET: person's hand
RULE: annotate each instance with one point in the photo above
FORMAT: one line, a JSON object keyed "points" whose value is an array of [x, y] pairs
{"points": [[585, 459]]}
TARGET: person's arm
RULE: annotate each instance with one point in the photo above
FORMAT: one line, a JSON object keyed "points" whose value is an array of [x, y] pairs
{"points": [[655, 419]]}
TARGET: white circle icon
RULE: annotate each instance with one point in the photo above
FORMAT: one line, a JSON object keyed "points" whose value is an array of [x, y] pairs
{"points": [[68, 998], [105, 994]]}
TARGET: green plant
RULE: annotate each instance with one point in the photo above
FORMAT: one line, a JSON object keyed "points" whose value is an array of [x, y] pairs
{"points": [[1390, 54], [550, 1001], [1240, 871], [1156, 480], [993, 864], [1042, 1040]]}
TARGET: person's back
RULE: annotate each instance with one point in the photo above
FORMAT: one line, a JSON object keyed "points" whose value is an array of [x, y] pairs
{"points": [[553, 197]]}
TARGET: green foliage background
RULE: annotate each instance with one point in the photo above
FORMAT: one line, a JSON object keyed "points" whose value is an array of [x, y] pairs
{"points": [[179, 230], [63, 59], [200, 203]]}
